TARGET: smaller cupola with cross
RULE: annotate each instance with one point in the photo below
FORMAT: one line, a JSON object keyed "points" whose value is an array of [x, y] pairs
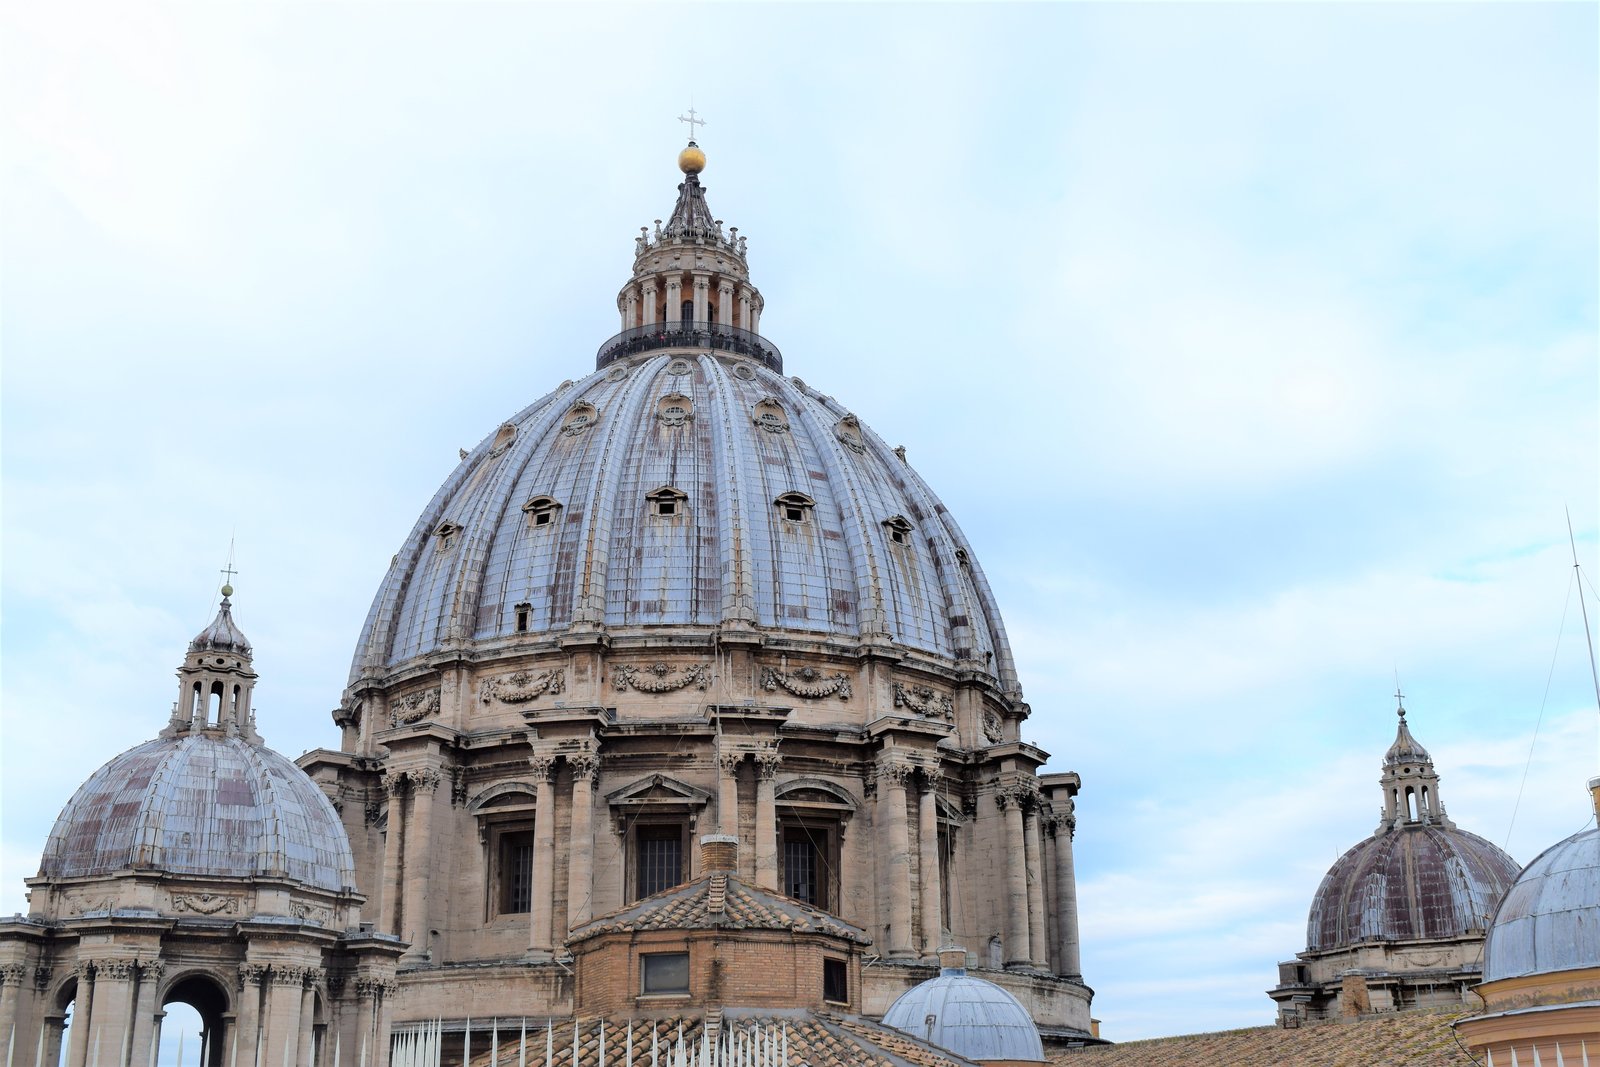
{"points": [[1410, 784]]}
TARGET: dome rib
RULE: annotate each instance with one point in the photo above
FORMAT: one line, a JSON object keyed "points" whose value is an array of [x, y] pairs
{"points": [[732, 557], [870, 614]]}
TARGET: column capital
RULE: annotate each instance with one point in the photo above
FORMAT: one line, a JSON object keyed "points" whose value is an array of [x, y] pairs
{"points": [[543, 764], [13, 974], [729, 761], [423, 779], [394, 782], [895, 769], [252, 974], [768, 762], [584, 765], [151, 970]]}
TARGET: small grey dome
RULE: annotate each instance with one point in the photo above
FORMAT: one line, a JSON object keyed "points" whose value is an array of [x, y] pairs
{"points": [[223, 635], [201, 804], [969, 1016], [1550, 918], [1418, 882]]}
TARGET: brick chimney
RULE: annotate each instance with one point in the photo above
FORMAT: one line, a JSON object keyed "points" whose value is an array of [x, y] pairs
{"points": [[719, 853]]}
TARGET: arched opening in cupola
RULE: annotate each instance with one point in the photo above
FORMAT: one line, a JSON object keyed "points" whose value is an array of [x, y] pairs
{"points": [[214, 706], [194, 1007]]}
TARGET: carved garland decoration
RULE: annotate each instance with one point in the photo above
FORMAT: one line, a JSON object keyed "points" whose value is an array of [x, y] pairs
{"points": [[653, 679], [924, 700], [807, 683], [414, 707], [523, 686], [991, 726], [206, 903]]}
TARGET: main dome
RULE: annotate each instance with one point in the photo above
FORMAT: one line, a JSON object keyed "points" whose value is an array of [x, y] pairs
{"points": [[698, 490], [199, 804]]}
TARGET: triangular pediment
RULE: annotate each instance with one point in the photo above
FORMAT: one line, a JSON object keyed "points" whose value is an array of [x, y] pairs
{"points": [[658, 789]]}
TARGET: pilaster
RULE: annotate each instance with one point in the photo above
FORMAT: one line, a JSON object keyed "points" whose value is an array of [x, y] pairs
{"points": [[894, 772], [580, 852]]}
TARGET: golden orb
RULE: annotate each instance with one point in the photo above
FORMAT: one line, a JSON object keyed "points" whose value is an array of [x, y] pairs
{"points": [[691, 160], [227, 590]]}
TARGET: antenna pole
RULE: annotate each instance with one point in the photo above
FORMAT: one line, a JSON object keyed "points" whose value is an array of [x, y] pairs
{"points": [[1588, 641]]}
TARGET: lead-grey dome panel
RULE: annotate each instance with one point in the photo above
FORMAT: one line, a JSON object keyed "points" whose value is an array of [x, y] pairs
{"points": [[203, 805], [741, 436], [969, 1016], [1550, 918]]}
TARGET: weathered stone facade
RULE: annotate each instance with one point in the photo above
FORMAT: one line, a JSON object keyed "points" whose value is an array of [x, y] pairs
{"points": [[689, 595]]}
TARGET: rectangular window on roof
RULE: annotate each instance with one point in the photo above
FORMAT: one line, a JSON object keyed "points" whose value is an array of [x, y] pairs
{"points": [[835, 985], [664, 973]]}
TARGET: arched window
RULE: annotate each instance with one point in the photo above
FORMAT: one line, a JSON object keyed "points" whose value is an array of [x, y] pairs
{"points": [[541, 511], [795, 507], [899, 529]]}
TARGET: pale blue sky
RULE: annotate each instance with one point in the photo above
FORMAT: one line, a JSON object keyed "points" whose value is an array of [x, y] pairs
{"points": [[1253, 346]]}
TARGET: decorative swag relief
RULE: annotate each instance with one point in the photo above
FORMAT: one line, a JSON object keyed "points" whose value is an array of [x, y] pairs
{"points": [[414, 707], [205, 903], [924, 700], [655, 678], [806, 682], [523, 686]]}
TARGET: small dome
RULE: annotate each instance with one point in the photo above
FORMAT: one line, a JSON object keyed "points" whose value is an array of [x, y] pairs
{"points": [[1419, 882], [201, 804], [968, 1016], [1550, 918], [223, 635]]}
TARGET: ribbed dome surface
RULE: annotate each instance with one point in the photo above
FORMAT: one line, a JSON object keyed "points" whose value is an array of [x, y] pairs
{"points": [[205, 805], [969, 1016], [1550, 918], [873, 552], [1420, 881]]}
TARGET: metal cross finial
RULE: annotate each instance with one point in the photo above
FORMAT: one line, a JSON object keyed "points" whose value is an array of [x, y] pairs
{"points": [[228, 572], [1399, 699], [692, 121]]}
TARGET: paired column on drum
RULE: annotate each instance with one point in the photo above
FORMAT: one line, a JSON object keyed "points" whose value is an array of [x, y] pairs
{"points": [[768, 762], [928, 863], [1012, 800], [580, 853], [541, 934], [1063, 826]]}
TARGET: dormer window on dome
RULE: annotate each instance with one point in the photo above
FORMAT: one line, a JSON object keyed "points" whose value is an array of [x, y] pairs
{"points": [[579, 418], [503, 439], [675, 409], [667, 502], [795, 507], [541, 511], [447, 532], [899, 529]]}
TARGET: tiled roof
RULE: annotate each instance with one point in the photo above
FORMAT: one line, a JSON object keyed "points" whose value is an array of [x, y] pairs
{"points": [[1410, 1038], [692, 907], [816, 1039]]}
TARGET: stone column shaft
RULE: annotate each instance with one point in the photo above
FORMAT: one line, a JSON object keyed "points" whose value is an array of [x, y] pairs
{"points": [[580, 852], [928, 858], [247, 1033], [649, 304], [1016, 948], [702, 299], [542, 905], [419, 831], [308, 1012], [146, 1012], [767, 764], [728, 793], [1039, 951], [1067, 898], [674, 301], [897, 873], [281, 1020], [725, 303], [389, 903]]}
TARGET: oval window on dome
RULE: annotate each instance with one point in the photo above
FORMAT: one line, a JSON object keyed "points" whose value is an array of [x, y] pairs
{"points": [[674, 409], [579, 418], [770, 416]]}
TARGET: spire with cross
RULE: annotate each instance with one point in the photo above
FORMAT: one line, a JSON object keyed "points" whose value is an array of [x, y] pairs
{"points": [[693, 122]]}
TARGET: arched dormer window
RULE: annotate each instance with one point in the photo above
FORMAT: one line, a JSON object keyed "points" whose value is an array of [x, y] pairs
{"points": [[795, 507], [675, 409], [667, 502], [770, 416], [579, 418], [542, 510], [899, 529], [448, 533]]}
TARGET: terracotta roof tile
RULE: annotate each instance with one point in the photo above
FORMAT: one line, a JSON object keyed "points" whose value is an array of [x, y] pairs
{"points": [[816, 1039], [724, 902], [1410, 1038]]}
